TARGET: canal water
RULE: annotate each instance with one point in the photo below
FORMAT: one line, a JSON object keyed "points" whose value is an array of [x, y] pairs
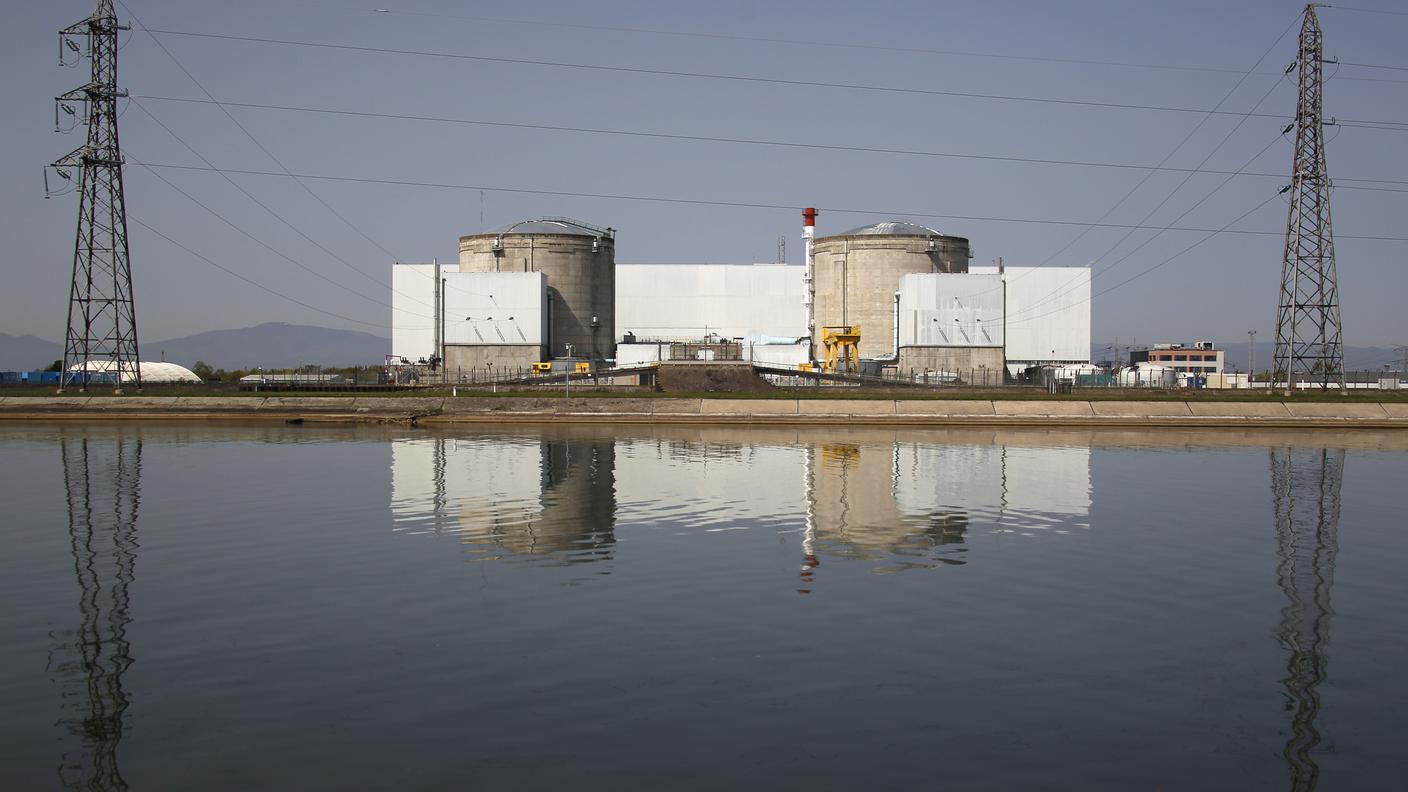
{"points": [[237, 607]]}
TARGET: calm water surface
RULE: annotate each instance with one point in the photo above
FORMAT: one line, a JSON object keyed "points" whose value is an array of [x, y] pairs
{"points": [[683, 608]]}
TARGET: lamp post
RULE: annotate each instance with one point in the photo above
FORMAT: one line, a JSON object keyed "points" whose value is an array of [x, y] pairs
{"points": [[1251, 357]]}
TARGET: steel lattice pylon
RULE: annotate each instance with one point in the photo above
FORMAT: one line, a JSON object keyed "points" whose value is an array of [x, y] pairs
{"points": [[102, 321], [1308, 342]]}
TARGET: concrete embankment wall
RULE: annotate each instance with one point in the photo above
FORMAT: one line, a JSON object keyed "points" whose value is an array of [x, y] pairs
{"points": [[857, 412]]}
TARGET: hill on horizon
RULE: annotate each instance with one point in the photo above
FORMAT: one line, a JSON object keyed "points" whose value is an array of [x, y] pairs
{"points": [[270, 345]]}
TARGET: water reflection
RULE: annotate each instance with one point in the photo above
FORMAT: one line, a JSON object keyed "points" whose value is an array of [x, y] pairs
{"points": [[854, 511], [509, 497], [102, 475], [884, 499], [1305, 486]]}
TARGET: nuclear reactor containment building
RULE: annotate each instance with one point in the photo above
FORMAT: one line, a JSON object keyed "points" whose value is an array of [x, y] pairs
{"points": [[578, 262], [858, 272]]}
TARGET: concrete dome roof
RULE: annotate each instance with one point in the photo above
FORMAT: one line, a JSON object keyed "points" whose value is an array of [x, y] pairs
{"points": [[556, 225], [892, 228]]}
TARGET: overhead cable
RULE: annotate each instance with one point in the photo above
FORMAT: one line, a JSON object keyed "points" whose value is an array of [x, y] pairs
{"points": [[710, 76], [706, 202], [727, 140]]}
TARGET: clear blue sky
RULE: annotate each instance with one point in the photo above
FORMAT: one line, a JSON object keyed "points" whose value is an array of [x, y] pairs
{"points": [[1219, 290]]}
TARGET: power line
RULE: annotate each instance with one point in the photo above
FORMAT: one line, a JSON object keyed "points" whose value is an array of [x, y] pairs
{"points": [[713, 76], [1374, 66], [1147, 176], [271, 157], [705, 202], [261, 205], [1339, 7], [726, 140], [1160, 233], [251, 281], [150, 169], [1227, 229], [835, 44], [1189, 176]]}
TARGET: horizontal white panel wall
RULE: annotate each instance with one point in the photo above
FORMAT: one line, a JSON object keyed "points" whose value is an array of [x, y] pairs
{"points": [[496, 308], [950, 310], [688, 301]]}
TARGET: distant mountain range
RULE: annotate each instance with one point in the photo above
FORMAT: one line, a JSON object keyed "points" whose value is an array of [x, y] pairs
{"points": [[271, 345]]}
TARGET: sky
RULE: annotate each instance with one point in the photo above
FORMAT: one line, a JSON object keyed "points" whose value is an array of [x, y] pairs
{"points": [[320, 249]]}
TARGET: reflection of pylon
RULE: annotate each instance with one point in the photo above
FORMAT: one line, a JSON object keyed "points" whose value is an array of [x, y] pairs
{"points": [[1305, 485], [1308, 342], [102, 322], [102, 481]]}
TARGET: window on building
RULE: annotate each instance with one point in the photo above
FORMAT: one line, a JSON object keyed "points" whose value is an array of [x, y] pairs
{"points": [[1180, 357]]}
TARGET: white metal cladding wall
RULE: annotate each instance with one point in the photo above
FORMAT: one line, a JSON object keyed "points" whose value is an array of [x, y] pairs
{"points": [[1030, 487], [1048, 485], [496, 308], [1048, 314], [950, 310], [942, 479], [763, 483], [686, 301], [412, 306], [778, 354], [486, 483], [637, 354]]}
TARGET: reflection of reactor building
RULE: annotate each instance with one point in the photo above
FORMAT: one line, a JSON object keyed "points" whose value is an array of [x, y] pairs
{"points": [[524, 496], [904, 498]]}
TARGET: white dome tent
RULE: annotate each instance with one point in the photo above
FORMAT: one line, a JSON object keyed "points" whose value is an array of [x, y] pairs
{"points": [[154, 373]]}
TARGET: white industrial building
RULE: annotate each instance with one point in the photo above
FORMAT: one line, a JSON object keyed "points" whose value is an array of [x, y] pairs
{"points": [[757, 304], [488, 318], [1047, 319], [920, 308], [695, 301]]}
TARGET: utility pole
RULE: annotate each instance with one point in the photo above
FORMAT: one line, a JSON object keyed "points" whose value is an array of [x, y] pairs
{"points": [[102, 321], [1251, 357], [1308, 339]]}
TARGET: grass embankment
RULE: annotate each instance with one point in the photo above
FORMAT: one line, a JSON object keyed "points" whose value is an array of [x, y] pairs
{"points": [[1009, 393]]}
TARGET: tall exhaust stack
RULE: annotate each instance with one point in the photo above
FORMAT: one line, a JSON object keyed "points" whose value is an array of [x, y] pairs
{"points": [[809, 299]]}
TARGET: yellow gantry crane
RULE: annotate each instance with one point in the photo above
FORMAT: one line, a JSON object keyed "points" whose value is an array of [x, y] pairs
{"points": [[842, 346]]}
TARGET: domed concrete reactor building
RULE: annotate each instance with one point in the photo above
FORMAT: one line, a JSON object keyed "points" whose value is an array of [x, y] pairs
{"points": [[858, 271], [578, 262]]}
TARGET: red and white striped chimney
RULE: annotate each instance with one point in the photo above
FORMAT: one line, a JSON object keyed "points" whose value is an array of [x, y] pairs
{"points": [[809, 298]]}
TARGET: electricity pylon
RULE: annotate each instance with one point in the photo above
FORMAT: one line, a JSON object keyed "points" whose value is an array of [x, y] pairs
{"points": [[1308, 343], [102, 322]]}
